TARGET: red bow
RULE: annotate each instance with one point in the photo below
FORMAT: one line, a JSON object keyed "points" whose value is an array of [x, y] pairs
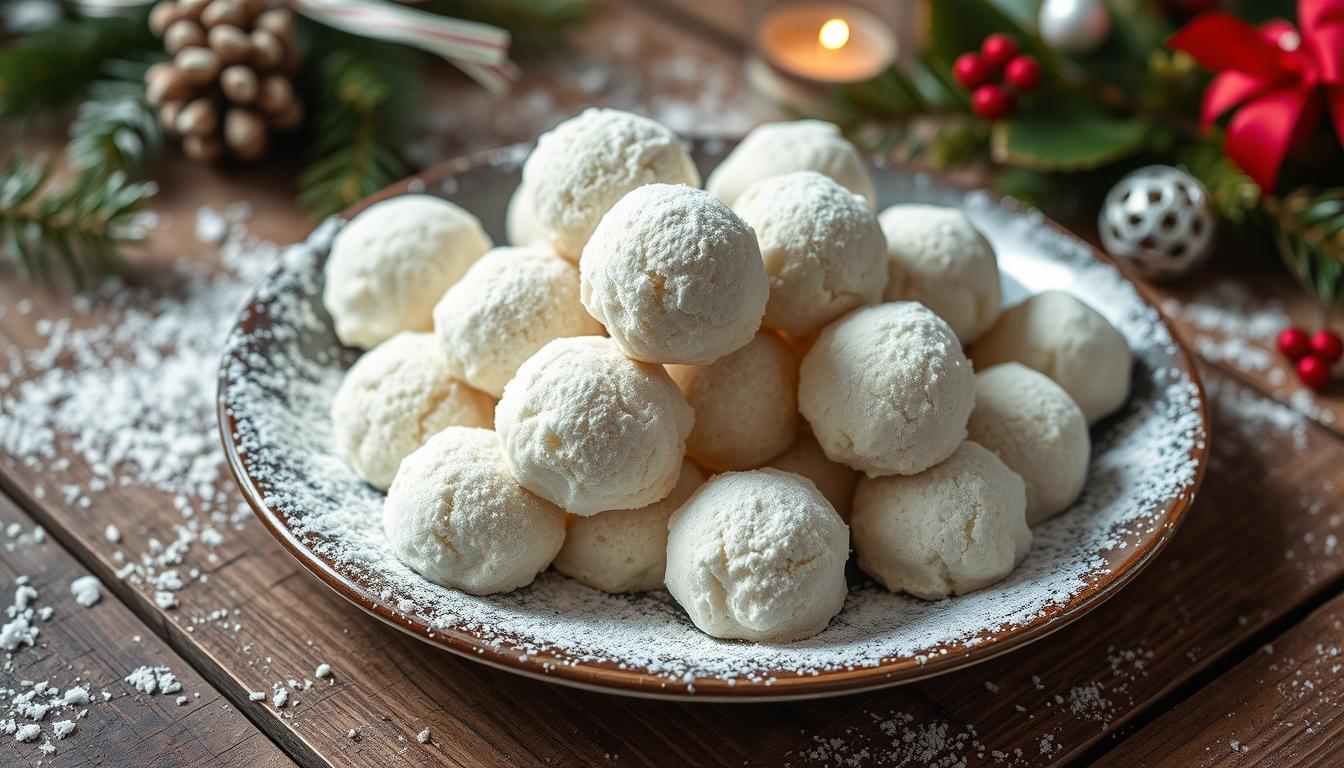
{"points": [[1277, 74]]}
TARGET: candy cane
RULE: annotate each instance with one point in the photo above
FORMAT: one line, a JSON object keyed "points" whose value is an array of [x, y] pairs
{"points": [[479, 50]]}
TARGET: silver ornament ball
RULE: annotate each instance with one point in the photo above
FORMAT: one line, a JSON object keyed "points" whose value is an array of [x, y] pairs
{"points": [[1074, 26], [1158, 221]]}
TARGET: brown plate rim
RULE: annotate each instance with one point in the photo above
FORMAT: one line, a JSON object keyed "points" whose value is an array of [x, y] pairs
{"points": [[607, 677]]}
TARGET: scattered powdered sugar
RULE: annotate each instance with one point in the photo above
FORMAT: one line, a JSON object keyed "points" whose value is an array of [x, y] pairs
{"points": [[87, 590], [132, 397], [279, 382]]}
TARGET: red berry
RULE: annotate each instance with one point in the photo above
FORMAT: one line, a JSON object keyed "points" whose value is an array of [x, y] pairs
{"points": [[1327, 345], [997, 49], [1023, 73], [1313, 372], [991, 102], [970, 70], [1293, 343]]}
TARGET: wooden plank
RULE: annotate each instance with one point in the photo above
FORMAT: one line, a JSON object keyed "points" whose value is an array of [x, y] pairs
{"points": [[96, 648], [1230, 316], [1282, 706]]}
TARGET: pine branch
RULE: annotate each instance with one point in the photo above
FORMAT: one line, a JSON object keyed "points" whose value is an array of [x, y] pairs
{"points": [[116, 129], [1309, 232], [49, 69], [533, 24], [365, 94], [85, 225]]}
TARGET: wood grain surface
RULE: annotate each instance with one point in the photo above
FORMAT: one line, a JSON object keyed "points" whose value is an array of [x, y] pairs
{"points": [[1281, 706], [96, 647], [1163, 663]]}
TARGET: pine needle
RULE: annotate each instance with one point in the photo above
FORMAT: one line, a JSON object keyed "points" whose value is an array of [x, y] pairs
{"points": [[367, 91], [116, 129], [51, 68], [84, 226]]}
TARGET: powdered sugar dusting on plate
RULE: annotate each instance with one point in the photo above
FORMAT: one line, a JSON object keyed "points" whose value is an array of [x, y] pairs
{"points": [[278, 380]]}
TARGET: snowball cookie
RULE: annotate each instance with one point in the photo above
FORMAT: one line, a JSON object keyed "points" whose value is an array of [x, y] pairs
{"points": [[835, 481], [625, 550], [507, 306], [822, 247], [955, 528], [585, 164], [758, 556], [393, 261], [393, 398], [520, 219], [675, 276], [1033, 425], [775, 149], [455, 516], [1068, 341], [588, 428], [887, 389], [745, 403], [938, 258]]}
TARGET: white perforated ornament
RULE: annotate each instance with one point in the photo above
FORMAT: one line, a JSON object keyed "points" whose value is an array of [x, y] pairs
{"points": [[1158, 222]]}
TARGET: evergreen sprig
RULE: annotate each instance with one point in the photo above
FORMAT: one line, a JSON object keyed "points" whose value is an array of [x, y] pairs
{"points": [[83, 225], [116, 129], [50, 68], [1309, 231], [533, 24], [365, 94]]}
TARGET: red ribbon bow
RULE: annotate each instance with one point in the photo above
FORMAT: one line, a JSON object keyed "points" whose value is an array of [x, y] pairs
{"points": [[1278, 74]]}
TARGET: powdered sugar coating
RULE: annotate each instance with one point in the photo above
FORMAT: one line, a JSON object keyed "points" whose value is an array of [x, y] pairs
{"points": [[279, 380], [584, 165], [508, 305], [758, 556], [1061, 336], [520, 219], [774, 149], [396, 396], [745, 403], [887, 389], [674, 275], [589, 429], [393, 261], [625, 550], [823, 250], [1033, 425], [938, 258], [456, 516], [954, 528], [835, 480]]}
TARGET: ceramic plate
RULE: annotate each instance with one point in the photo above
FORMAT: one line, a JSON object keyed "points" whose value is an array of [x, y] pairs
{"points": [[283, 365]]}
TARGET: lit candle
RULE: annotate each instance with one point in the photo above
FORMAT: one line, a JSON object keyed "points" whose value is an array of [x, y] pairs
{"points": [[826, 42]]}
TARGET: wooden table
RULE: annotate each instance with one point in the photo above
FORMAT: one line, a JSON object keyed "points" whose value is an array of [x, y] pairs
{"points": [[1227, 650]]}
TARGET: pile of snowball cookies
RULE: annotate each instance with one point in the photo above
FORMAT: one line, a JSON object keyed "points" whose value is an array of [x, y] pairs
{"points": [[715, 391]]}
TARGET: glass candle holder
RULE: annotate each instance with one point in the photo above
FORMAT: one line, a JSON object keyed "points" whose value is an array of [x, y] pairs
{"points": [[802, 49]]}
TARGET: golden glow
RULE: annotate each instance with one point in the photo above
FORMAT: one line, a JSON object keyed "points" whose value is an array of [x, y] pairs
{"points": [[834, 34]]}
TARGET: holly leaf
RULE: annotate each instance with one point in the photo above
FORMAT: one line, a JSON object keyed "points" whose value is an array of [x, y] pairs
{"points": [[1055, 142]]}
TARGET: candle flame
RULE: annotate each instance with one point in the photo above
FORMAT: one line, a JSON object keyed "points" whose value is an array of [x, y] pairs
{"points": [[834, 34]]}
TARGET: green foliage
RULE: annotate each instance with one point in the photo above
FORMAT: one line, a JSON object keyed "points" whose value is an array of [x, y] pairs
{"points": [[1055, 140], [364, 94], [51, 68], [532, 23], [84, 225], [1309, 232], [116, 129]]}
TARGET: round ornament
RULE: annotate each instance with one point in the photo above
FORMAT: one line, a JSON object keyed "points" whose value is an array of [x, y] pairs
{"points": [[1074, 26], [1158, 222]]}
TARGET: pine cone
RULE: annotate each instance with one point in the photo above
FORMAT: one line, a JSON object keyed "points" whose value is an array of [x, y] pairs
{"points": [[230, 82]]}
